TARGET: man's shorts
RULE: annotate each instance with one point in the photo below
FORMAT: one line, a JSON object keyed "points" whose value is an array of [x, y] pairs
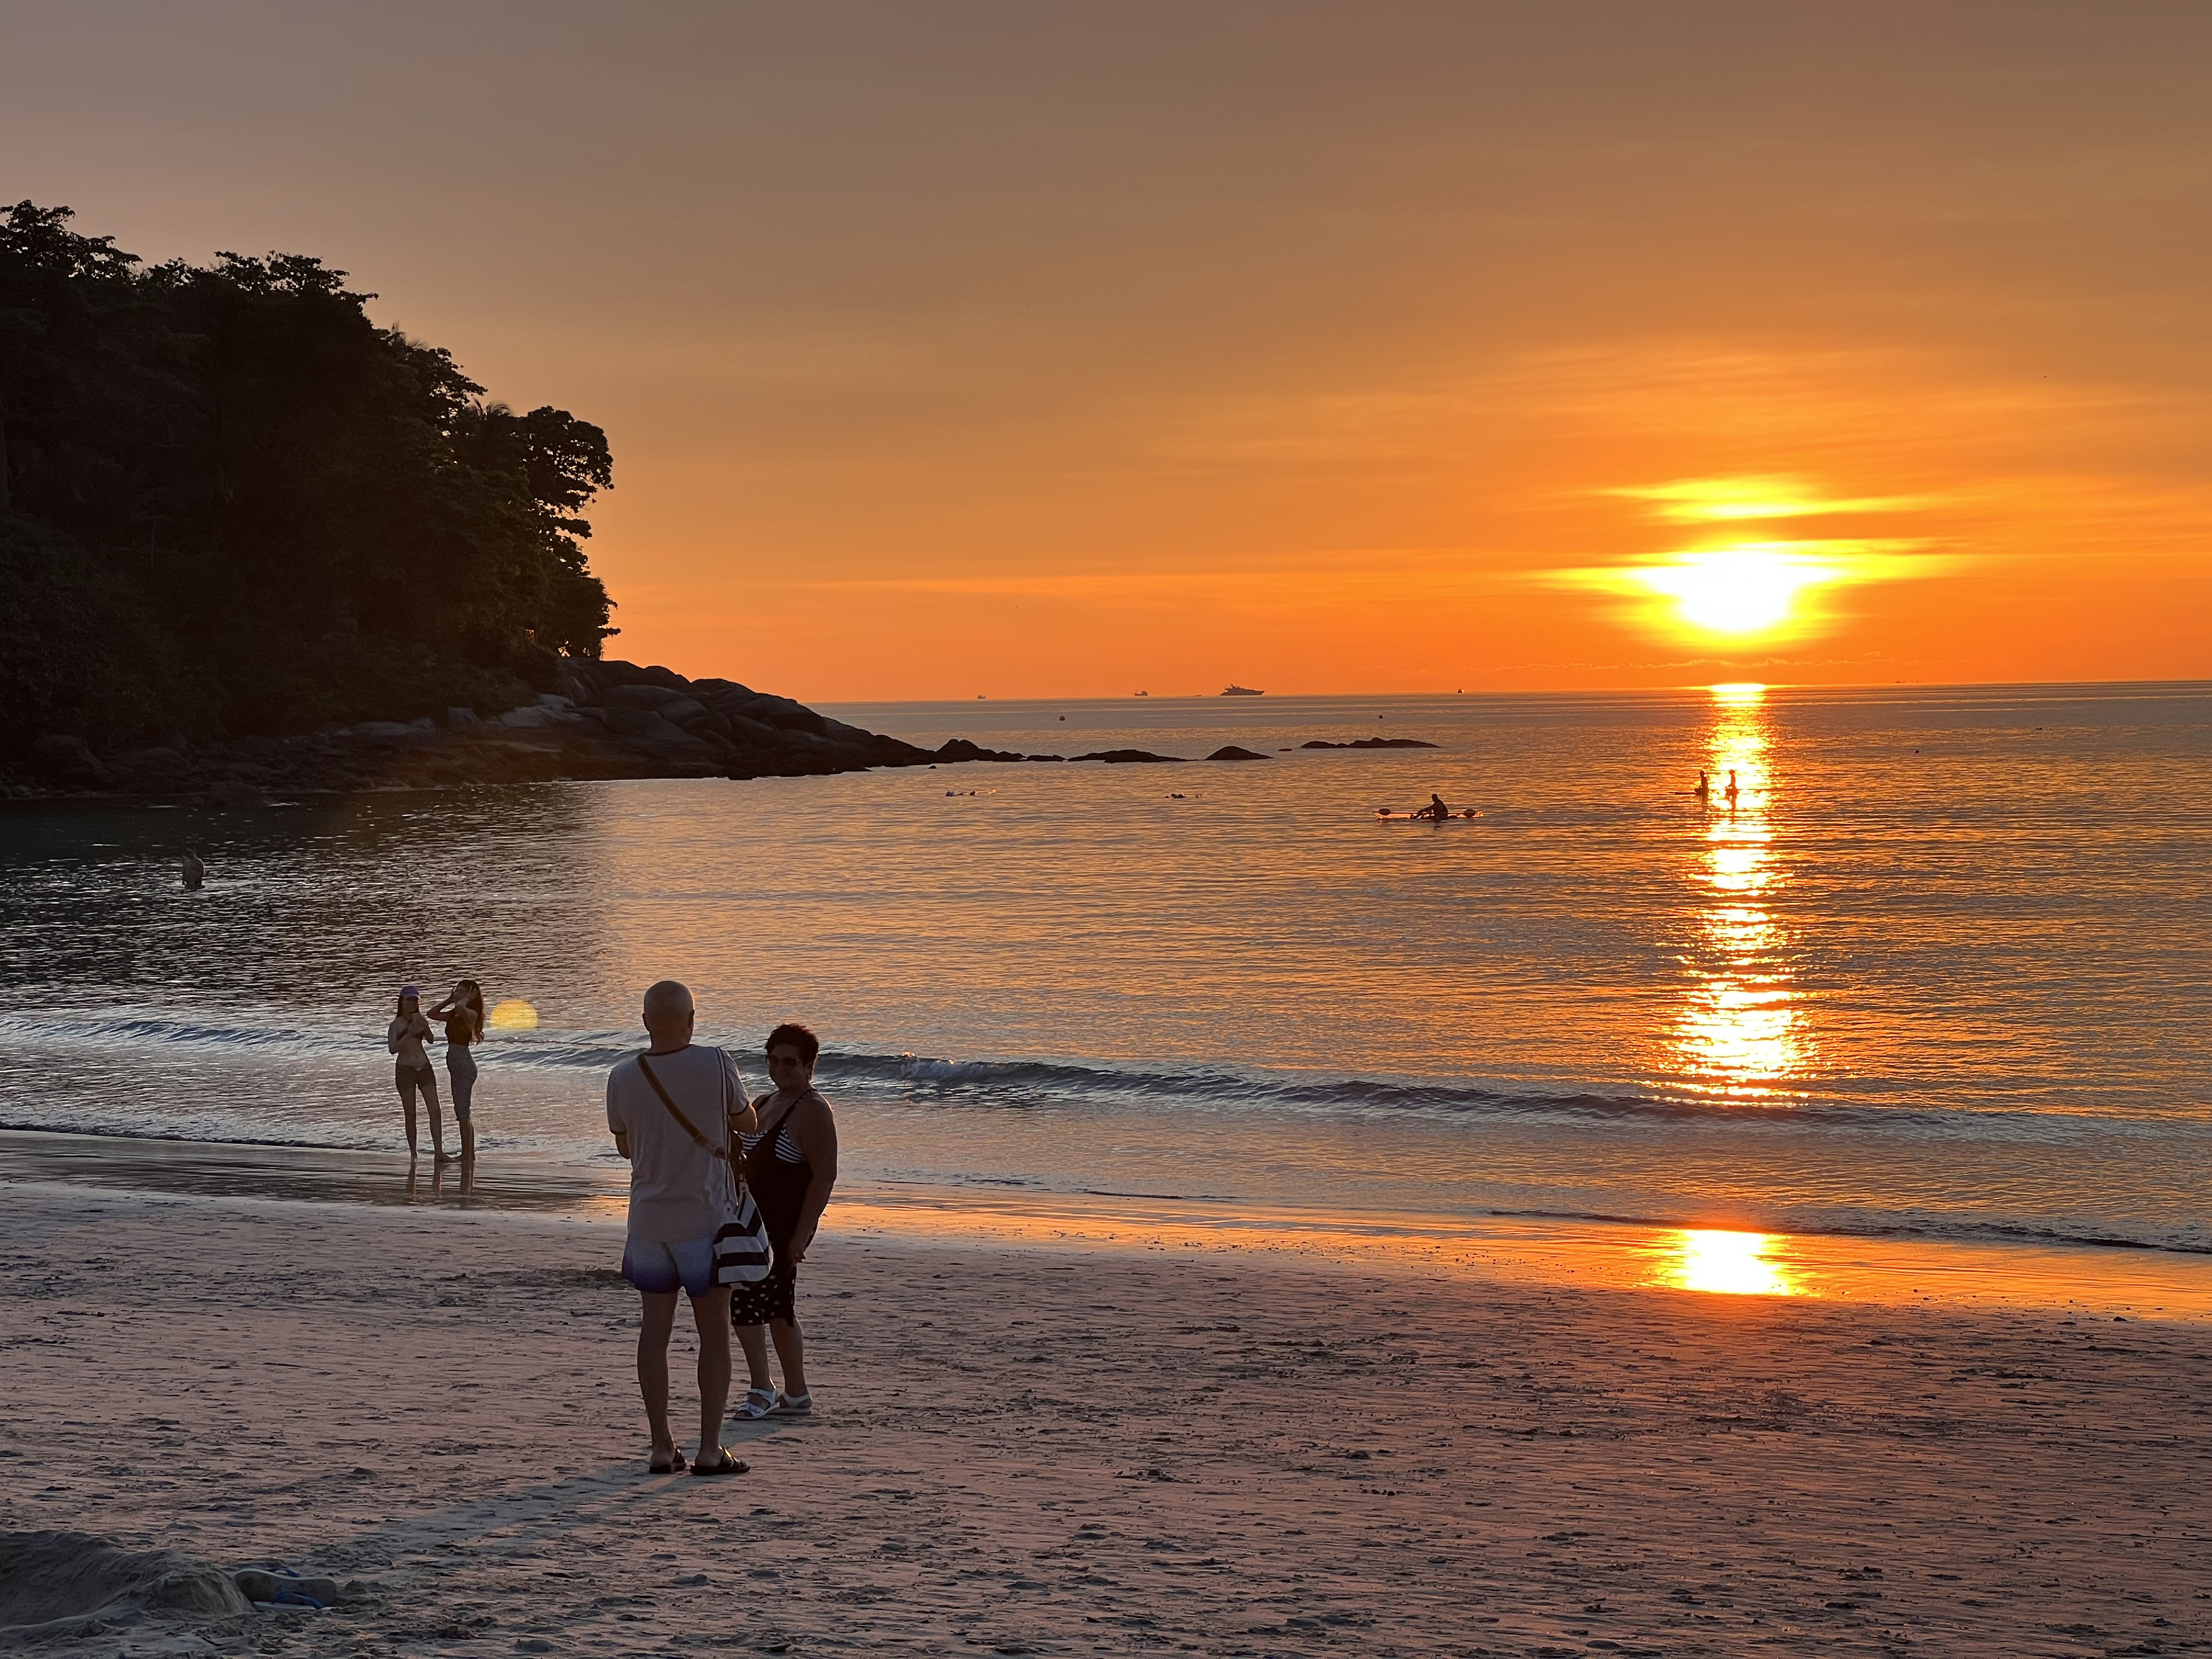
{"points": [[660, 1269]]}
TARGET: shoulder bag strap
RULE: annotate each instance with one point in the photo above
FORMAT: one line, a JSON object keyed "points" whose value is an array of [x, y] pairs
{"points": [[705, 1146]]}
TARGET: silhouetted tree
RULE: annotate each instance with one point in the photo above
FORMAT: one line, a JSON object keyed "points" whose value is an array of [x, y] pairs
{"points": [[230, 502]]}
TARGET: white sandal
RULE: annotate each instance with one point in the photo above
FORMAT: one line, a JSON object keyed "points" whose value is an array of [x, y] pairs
{"points": [[756, 1404], [791, 1405]]}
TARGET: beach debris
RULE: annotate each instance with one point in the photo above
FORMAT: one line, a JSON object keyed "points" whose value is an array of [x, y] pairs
{"points": [[283, 1587]]}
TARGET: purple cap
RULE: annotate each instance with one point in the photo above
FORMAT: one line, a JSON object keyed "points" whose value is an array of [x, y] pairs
{"points": [[409, 991]]}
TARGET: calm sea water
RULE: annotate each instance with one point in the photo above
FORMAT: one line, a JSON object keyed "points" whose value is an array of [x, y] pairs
{"points": [[1943, 969]]}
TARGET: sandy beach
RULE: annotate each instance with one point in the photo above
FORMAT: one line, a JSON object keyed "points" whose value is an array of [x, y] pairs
{"points": [[1037, 1450]]}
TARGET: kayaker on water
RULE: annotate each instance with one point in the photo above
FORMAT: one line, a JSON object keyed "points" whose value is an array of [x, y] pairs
{"points": [[1436, 809]]}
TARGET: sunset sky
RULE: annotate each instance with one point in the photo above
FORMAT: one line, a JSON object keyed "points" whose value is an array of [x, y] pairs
{"points": [[1072, 349]]}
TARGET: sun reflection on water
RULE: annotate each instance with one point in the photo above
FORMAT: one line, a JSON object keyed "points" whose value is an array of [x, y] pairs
{"points": [[1726, 1263], [1739, 1033]]}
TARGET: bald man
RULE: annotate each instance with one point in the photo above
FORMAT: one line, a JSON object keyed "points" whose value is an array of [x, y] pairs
{"points": [[673, 1111]]}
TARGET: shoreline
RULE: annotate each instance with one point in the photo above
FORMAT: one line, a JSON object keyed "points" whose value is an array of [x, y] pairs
{"points": [[2109, 1280], [1041, 1451]]}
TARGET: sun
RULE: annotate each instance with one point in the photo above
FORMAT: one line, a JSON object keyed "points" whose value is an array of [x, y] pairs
{"points": [[1751, 588]]}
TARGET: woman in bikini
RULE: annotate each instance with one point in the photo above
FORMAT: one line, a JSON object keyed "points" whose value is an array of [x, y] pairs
{"points": [[791, 1164], [410, 1069], [464, 1014]]}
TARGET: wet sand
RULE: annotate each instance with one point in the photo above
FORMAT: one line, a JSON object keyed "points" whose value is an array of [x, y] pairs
{"points": [[1029, 1446]]}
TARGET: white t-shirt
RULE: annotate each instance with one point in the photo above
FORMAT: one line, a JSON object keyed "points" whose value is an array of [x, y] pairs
{"points": [[677, 1188]]}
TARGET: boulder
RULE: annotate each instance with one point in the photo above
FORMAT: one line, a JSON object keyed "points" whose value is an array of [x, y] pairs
{"points": [[149, 770], [1230, 751], [683, 711], [68, 761], [644, 727], [645, 695]]}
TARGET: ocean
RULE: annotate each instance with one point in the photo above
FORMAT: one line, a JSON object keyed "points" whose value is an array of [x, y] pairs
{"points": [[1942, 971]]}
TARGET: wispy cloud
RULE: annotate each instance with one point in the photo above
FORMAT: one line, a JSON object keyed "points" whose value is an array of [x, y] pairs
{"points": [[1737, 499]]}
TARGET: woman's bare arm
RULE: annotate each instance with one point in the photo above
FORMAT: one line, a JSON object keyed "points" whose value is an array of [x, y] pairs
{"points": [[814, 1127]]}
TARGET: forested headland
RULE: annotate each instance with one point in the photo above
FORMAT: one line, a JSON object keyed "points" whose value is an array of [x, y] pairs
{"points": [[231, 504]]}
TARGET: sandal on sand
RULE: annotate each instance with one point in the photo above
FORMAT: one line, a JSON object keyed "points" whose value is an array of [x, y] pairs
{"points": [[729, 1465], [791, 1405], [674, 1465], [756, 1404]]}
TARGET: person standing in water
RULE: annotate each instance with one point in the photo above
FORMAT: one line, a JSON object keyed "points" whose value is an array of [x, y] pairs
{"points": [[412, 1072], [791, 1164], [195, 872], [464, 1014], [1704, 791], [1730, 792]]}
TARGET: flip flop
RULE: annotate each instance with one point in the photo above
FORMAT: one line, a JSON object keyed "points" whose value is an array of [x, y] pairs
{"points": [[675, 1467], [729, 1465]]}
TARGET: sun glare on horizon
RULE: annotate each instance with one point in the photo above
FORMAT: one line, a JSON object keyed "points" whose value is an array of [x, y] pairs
{"points": [[1744, 592], [1750, 588]]}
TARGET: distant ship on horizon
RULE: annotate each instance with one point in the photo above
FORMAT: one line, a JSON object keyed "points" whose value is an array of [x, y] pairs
{"points": [[1243, 691]]}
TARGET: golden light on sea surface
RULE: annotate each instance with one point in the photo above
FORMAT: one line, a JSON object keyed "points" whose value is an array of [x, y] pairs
{"points": [[1739, 1035], [514, 1015], [1725, 1263]]}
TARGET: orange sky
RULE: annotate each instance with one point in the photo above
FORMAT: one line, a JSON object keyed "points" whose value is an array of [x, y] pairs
{"points": [[949, 349]]}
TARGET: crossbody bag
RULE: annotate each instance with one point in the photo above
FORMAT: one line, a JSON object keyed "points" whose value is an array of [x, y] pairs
{"points": [[741, 1247]]}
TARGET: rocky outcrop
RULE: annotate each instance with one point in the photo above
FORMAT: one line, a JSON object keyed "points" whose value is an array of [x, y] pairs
{"points": [[1130, 757], [1230, 751], [1372, 743], [609, 720]]}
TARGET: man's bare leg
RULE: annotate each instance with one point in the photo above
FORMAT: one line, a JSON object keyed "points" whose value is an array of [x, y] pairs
{"points": [[652, 1368], [711, 1314]]}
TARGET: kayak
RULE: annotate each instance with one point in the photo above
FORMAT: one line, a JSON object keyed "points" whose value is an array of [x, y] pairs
{"points": [[1424, 817]]}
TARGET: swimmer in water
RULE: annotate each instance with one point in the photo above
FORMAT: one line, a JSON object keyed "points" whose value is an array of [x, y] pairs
{"points": [[1730, 792], [195, 872]]}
